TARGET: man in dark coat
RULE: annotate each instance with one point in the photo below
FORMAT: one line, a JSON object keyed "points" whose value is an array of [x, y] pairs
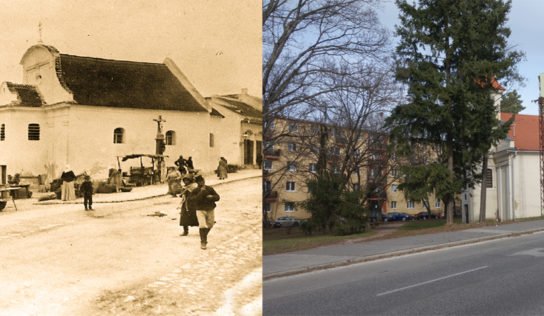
{"points": [[86, 189], [204, 198], [181, 162], [188, 211]]}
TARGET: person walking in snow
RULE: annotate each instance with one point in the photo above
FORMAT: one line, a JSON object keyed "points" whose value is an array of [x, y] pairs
{"points": [[204, 198]]}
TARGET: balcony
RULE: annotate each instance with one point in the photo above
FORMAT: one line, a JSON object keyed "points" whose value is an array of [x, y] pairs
{"points": [[272, 154], [270, 196]]}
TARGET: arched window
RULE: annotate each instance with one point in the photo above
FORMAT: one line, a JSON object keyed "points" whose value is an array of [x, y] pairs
{"points": [[118, 135], [3, 132], [170, 138], [212, 140], [33, 131]]}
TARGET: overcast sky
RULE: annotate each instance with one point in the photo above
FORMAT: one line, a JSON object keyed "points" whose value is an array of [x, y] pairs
{"points": [[524, 19], [216, 43]]}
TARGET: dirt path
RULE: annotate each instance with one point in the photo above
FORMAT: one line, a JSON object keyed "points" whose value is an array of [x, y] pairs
{"points": [[118, 260]]}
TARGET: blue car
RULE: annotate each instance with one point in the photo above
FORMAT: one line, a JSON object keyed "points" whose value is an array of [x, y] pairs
{"points": [[394, 216]]}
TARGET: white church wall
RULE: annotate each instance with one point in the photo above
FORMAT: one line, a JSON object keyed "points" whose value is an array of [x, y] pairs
{"points": [[92, 129], [19, 154], [526, 184]]}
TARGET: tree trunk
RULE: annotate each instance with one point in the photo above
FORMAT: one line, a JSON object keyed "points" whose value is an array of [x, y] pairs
{"points": [[483, 193], [450, 206]]}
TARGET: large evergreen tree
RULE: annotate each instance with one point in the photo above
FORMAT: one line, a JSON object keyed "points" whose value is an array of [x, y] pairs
{"points": [[511, 102], [451, 52]]}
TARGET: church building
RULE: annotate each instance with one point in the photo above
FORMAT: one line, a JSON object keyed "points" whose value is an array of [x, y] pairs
{"points": [[85, 112]]}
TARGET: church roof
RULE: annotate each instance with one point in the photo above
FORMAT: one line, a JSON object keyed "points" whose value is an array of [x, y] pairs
{"points": [[116, 83], [524, 131], [239, 107], [27, 95]]}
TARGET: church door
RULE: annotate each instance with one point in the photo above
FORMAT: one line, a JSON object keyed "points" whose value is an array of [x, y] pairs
{"points": [[248, 152]]}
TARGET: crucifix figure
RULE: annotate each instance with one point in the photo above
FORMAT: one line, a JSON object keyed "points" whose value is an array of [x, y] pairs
{"points": [[159, 125]]}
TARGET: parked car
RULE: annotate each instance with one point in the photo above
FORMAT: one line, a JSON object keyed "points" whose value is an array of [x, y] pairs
{"points": [[287, 221], [425, 215], [394, 216]]}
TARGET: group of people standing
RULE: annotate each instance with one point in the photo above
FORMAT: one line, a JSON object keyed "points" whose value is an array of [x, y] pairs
{"points": [[197, 207]]}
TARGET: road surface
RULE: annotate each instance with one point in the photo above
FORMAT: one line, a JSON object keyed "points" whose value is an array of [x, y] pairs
{"points": [[119, 260], [502, 277]]}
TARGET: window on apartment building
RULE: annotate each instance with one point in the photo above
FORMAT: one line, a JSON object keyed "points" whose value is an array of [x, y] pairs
{"points": [[267, 185], [489, 178], [372, 172], [267, 164], [118, 135], [268, 145], [212, 140], [290, 186], [293, 126], [289, 207], [2, 132], [291, 166], [393, 205], [410, 204], [33, 131], [394, 173], [356, 187], [292, 146], [266, 207], [393, 188], [170, 138], [357, 152], [437, 204], [314, 129], [313, 167]]}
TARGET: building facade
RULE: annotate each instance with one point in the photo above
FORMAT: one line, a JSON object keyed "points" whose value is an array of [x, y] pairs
{"points": [[85, 112]]}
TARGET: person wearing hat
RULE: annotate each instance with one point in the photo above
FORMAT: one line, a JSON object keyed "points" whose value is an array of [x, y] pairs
{"points": [[204, 198], [188, 211], [174, 181]]}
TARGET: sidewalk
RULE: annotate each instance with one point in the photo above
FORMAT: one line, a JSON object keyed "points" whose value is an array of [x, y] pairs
{"points": [[152, 191], [337, 255]]}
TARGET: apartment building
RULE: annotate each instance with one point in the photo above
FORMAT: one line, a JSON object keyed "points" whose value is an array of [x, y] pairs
{"points": [[293, 149]]}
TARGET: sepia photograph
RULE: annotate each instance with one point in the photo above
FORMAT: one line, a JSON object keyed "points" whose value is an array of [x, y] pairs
{"points": [[130, 157]]}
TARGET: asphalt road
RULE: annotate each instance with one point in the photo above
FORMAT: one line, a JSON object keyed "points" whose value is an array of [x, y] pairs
{"points": [[502, 277], [118, 260]]}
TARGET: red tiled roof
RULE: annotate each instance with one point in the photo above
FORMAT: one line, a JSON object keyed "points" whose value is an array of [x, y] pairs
{"points": [[524, 131]]}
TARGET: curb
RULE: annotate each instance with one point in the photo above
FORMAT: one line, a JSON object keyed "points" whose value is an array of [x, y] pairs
{"points": [[135, 199], [396, 254]]}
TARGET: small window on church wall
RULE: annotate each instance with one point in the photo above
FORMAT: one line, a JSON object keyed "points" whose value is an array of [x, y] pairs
{"points": [[170, 138], [33, 131], [211, 140], [118, 135], [2, 132], [489, 178]]}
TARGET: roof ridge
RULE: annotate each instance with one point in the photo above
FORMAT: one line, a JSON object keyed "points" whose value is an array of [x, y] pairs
{"points": [[112, 60]]}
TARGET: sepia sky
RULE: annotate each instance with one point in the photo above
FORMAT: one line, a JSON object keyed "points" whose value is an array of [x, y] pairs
{"points": [[215, 43]]}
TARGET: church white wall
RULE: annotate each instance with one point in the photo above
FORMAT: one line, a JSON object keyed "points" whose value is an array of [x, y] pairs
{"points": [[526, 184], [228, 137], [471, 198], [19, 154], [39, 70], [91, 137]]}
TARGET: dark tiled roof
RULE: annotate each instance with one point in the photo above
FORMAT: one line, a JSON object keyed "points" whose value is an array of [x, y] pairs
{"points": [[115, 83], [241, 108], [27, 95], [216, 113]]}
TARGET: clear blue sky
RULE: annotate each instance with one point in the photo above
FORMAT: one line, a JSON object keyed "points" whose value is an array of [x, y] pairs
{"points": [[523, 21]]}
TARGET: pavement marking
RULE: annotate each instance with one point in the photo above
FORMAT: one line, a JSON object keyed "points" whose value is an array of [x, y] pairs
{"points": [[431, 281], [535, 252]]}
